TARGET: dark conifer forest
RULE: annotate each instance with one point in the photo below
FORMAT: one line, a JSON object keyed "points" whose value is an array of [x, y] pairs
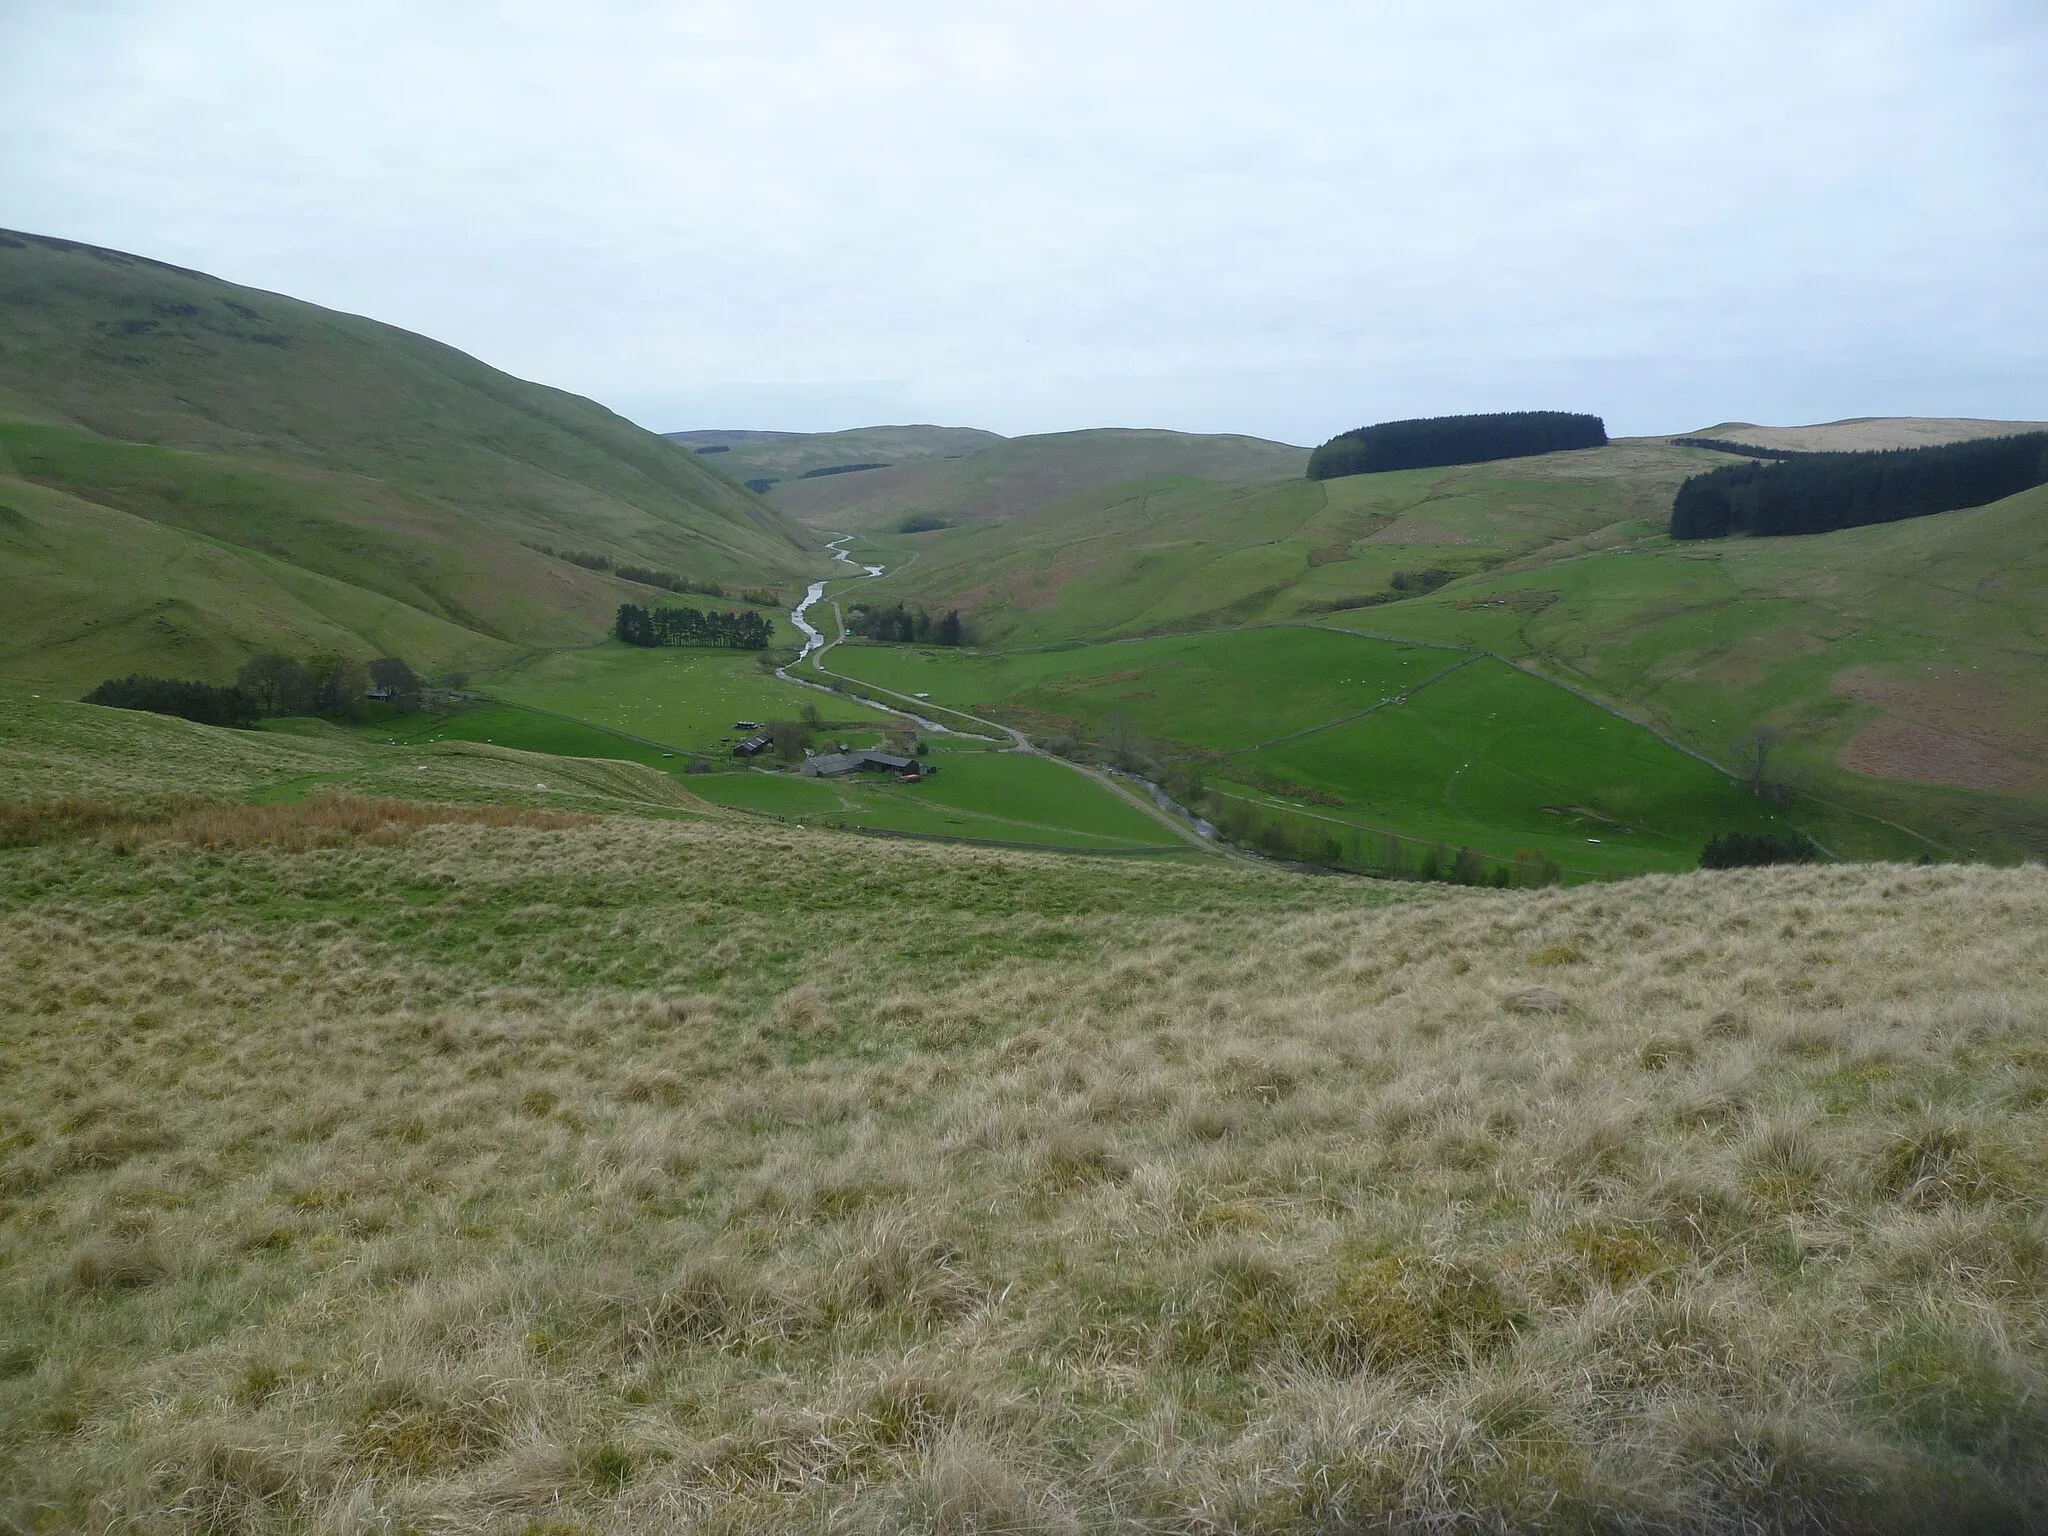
{"points": [[1439, 440], [1819, 492], [740, 631], [910, 626], [203, 702]]}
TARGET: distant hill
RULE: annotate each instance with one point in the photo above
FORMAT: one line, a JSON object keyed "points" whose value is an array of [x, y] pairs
{"points": [[191, 470], [1011, 476], [779, 456], [1865, 434]]}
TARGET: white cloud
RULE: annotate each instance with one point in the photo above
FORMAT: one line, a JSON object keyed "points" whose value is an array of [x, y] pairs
{"points": [[1276, 218]]}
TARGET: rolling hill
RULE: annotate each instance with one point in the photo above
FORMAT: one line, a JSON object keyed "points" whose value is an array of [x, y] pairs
{"points": [[1013, 476], [191, 470]]}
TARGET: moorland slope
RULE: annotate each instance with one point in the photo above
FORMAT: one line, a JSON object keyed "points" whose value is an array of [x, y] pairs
{"points": [[191, 470], [1017, 475], [444, 1171]]}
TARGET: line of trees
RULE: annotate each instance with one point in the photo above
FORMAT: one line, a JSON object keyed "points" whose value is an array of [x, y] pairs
{"points": [[271, 683], [839, 469], [650, 576], [740, 631], [912, 626], [1748, 450], [1820, 492], [1427, 442], [1309, 840]]}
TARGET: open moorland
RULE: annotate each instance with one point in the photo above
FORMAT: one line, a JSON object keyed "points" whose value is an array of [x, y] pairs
{"points": [[487, 1102], [558, 1166]]}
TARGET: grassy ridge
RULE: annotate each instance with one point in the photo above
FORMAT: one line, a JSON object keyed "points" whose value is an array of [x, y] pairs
{"points": [[645, 1173], [359, 468]]}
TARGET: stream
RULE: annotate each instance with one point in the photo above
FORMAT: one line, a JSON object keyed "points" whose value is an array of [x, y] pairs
{"points": [[814, 641]]}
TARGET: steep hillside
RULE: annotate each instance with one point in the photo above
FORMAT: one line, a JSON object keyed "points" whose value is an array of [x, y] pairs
{"points": [[1019, 475], [779, 456], [190, 470]]}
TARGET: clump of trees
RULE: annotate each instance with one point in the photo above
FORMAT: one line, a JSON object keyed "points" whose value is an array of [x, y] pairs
{"points": [[1426, 442], [206, 703], [911, 626], [1416, 582], [1740, 850], [741, 630], [922, 522], [271, 683], [1820, 492]]}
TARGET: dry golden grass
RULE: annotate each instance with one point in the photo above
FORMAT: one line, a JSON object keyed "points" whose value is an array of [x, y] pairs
{"points": [[323, 821], [660, 1176]]}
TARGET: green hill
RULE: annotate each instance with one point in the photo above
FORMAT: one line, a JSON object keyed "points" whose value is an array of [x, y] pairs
{"points": [[1014, 476], [1160, 554], [190, 471], [1904, 667], [791, 455]]}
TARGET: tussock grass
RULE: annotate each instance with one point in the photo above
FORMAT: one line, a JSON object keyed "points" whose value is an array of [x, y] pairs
{"points": [[673, 1176], [317, 822]]}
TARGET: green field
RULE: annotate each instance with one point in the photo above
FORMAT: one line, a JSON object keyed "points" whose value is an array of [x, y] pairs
{"points": [[986, 796], [1490, 757], [1224, 692], [1427, 743], [684, 697]]}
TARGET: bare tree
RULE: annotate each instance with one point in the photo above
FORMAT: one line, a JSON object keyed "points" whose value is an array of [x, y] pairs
{"points": [[1753, 751]]}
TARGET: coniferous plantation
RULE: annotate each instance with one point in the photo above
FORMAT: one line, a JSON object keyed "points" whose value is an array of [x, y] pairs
{"points": [[740, 630], [1428, 442], [1820, 492], [909, 626]]}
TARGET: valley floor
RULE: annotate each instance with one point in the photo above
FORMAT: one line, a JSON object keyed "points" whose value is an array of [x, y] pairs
{"points": [[609, 1174]]}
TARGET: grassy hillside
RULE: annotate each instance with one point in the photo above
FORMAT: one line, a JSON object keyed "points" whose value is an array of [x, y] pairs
{"points": [[1868, 434], [324, 480], [789, 455], [1906, 664], [435, 1174], [1018, 475], [1166, 554]]}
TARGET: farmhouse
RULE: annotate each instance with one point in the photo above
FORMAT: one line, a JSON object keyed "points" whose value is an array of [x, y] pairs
{"points": [[830, 765]]}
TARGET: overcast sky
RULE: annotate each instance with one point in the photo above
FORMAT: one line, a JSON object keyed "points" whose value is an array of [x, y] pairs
{"points": [[1278, 218]]}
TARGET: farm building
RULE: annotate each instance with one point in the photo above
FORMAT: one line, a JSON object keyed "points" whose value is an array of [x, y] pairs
{"points": [[754, 745], [830, 765]]}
